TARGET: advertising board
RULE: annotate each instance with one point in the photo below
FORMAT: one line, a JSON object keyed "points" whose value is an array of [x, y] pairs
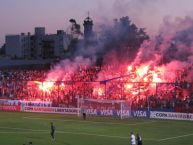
{"points": [[171, 115]]}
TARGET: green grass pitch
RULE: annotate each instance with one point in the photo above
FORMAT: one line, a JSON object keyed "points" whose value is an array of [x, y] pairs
{"points": [[20, 128]]}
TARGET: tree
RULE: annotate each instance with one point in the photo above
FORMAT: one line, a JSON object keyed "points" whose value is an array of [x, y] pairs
{"points": [[124, 37], [2, 50], [75, 29]]}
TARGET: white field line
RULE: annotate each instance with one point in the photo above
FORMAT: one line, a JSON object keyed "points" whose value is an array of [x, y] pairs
{"points": [[23, 131], [113, 123], [175, 137], [17, 132]]}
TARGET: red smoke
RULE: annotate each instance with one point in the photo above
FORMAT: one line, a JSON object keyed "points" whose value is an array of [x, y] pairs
{"points": [[166, 58]]}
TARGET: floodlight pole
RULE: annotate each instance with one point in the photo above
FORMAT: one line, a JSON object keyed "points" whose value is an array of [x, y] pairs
{"points": [[42, 89], [58, 91], [105, 90], [121, 110], [78, 105]]}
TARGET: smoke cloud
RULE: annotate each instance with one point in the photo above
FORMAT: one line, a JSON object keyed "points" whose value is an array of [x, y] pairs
{"points": [[64, 70], [171, 49]]}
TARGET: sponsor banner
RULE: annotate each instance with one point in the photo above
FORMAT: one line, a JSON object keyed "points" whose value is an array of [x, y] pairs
{"points": [[67, 110], [171, 115], [51, 110], [60, 110], [108, 112], [22, 102], [140, 113], [15, 108]]}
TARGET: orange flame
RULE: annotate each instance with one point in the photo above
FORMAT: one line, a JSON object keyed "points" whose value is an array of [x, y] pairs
{"points": [[45, 86]]}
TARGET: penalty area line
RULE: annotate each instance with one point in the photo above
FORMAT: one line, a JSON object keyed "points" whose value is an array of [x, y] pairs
{"points": [[176, 137], [19, 132], [23, 131], [86, 121]]}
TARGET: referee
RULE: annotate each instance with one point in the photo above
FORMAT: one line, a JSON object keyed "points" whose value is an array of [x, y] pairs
{"points": [[139, 139], [52, 127]]}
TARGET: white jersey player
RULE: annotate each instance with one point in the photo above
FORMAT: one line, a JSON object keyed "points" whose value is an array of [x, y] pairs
{"points": [[132, 139]]}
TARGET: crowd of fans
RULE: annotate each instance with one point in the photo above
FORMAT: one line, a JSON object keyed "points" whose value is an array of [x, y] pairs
{"points": [[96, 83]]}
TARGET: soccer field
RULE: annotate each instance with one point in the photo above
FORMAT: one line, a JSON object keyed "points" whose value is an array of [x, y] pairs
{"points": [[20, 128]]}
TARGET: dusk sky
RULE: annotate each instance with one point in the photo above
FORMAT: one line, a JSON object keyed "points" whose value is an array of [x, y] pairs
{"points": [[18, 16]]}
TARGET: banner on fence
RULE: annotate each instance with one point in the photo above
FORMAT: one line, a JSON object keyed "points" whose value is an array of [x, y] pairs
{"points": [[140, 113], [60, 110], [108, 112], [15, 108], [171, 115], [51, 110]]}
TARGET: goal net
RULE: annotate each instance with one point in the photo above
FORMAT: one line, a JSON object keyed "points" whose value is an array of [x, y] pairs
{"points": [[116, 108]]}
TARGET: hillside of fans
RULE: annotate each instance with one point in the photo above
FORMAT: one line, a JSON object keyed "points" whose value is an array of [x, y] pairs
{"points": [[29, 85]]}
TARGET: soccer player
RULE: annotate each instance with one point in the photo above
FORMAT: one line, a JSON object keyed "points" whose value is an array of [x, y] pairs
{"points": [[132, 139], [139, 139], [84, 115], [52, 127]]}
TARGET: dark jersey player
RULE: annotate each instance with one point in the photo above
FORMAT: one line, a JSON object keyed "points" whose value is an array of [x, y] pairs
{"points": [[52, 127], [139, 139], [84, 115]]}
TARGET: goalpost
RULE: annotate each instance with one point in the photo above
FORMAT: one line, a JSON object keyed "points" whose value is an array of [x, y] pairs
{"points": [[116, 108]]}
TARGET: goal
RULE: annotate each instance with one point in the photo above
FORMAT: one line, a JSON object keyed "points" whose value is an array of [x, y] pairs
{"points": [[116, 108]]}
